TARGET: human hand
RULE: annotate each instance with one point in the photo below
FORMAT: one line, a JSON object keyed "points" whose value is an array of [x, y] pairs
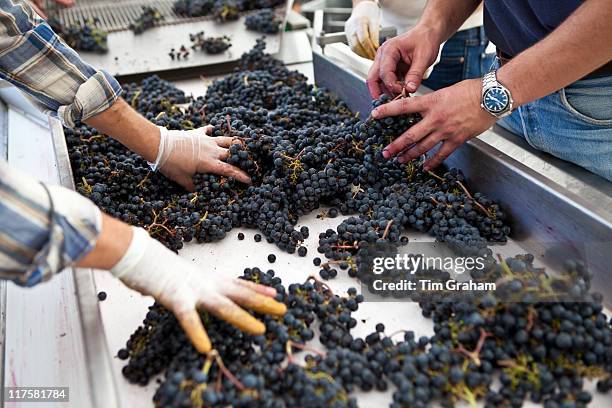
{"points": [[39, 5], [401, 62], [183, 287], [183, 153], [451, 116], [362, 29]]}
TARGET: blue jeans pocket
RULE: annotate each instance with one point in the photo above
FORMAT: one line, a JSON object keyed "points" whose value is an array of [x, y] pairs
{"points": [[590, 100]]}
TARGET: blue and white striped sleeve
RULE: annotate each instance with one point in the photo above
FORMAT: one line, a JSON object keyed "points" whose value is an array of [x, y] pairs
{"points": [[38, 62], [43, 229]]}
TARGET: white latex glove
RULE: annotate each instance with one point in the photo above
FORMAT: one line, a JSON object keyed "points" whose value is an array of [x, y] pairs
{"points": [[181, 286], [362, 29], [183, 153]]}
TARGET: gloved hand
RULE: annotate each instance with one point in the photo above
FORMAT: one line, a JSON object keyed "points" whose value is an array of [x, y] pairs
{"points": [[181, 286], [362, 29], [182, 153]]}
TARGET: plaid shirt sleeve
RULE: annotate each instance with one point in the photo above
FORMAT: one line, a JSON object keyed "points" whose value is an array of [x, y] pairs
{"points": [[43, 229], [37, 61]]}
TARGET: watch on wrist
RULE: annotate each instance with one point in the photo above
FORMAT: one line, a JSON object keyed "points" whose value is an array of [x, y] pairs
{"points": [[496, 98]]}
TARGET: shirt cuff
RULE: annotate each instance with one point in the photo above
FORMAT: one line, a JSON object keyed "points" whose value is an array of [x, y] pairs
{"points": [[94, 96], [43, 229]]}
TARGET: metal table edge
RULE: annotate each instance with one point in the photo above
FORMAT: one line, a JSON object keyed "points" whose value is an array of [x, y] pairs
{"points": [[3, 156], [541, 181], [103, 389]]}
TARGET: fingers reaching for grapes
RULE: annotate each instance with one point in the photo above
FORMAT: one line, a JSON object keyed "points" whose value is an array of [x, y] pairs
{"points": [[224, 141], [264, 290], [249, 298], [401, 62], [225, 169], [184, 288], [191, 323], [39, 5], [183, 153], [225, 309], [449, 117], [408, 140]]}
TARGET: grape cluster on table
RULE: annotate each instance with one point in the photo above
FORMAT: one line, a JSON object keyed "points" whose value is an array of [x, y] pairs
{"points": [[223, 10], [263, 21], [148, 19], [211, 45], [83, 37], [303, 148]]}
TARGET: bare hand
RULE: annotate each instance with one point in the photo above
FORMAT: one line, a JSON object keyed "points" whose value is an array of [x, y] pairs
{"points": [[451, 116], [402, 61], [39, 5]]}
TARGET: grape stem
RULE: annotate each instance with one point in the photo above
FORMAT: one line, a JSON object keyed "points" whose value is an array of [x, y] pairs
{"points": [[475, 354], [156, 224], [215, 355], [487, 212], [322, 284], [144, 180], [292, 344], [387, 229]]}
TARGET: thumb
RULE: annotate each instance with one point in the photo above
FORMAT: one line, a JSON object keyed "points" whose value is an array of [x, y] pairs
{"points": [[414, 76]]}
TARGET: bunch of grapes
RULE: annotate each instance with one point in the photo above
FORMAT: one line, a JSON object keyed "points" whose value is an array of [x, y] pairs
{"points": [[200, 8], [148, 19], [84, 37], [263, 21], [211, 45]]}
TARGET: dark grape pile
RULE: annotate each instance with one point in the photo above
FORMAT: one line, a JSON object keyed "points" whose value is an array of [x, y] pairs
{"points": [[86, 37], [221, 9], [540, 351], [149, 18], [302, 148], [263, 21], [211, 45], [194, 8]]}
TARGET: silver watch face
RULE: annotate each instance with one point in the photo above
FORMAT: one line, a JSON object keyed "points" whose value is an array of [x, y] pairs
{"points": [[496, 99]]}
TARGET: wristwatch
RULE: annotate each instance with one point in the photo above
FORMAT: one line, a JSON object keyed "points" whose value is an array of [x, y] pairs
{"points": [[496, 98]]}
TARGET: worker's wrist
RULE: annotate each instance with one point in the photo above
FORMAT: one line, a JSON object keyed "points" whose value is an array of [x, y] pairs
{"points": [[507, 78], [124, 124], [434, 30], [111, 245], [133, 254]]}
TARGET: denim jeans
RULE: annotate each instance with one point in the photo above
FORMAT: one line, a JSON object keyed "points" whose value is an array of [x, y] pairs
{"points": [[463, 57], [573, 124]]}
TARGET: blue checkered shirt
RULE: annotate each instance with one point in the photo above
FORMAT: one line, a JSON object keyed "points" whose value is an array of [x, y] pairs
{"points": [[38, 62], [44, 229]]}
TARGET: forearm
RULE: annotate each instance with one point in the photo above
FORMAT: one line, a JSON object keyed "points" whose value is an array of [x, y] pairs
{"points": [[131, 129], [444, 17], [111, 245], [577, 47]]}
